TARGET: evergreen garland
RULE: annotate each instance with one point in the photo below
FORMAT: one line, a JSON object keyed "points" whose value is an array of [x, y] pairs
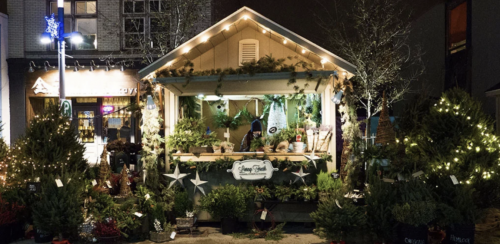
{"points": [[151, 139], [49, 146]]}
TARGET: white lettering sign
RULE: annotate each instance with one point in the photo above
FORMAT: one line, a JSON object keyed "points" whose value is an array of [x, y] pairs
{"points": [[457, 239], [414, 241], [43, 87], [252, 169]]}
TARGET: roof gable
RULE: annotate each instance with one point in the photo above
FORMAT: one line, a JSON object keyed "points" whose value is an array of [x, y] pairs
{"points": [[233, 24]]}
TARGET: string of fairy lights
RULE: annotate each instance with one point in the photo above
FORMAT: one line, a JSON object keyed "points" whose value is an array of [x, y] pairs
{"points": [[490, 143], [205, 38]]}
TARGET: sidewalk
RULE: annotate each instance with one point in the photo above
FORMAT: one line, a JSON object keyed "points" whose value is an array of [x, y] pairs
{"points": [[212, 235]]}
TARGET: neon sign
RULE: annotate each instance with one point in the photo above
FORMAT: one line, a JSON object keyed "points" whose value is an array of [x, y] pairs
{"points": [[108, 109]]}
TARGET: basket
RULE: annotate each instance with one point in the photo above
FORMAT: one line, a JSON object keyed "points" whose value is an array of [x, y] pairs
{"points": [[185, 222]]}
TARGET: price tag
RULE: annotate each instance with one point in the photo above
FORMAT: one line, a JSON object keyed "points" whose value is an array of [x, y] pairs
{"points": [[69, 179], [401, 177], [387, 180], [138, 214], [59, 183], [263, 215], [147, 196], [109, 184], [94, 182], [37, 179], [338, 204], [454, 179], [172, 236], [132, 167], [417, 174], [226, 135]]}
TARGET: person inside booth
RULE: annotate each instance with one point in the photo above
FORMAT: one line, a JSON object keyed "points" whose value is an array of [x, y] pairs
{"points": [[254, 132]]}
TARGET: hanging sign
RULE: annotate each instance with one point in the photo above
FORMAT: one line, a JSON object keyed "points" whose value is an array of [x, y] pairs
{"points": [[33, 187], [252, 169], [66, 108]]}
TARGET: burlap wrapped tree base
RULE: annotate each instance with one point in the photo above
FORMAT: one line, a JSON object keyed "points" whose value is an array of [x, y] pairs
{"points": [[385, 130]]}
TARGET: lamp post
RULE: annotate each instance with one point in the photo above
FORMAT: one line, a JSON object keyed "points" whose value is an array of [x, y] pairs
{"points": [[55, 31]]}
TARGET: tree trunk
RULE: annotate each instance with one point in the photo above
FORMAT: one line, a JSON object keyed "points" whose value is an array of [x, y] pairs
{"points": [[368, 130], [60, 237]]}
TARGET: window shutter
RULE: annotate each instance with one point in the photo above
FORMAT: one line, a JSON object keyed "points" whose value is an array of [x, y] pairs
{"points": [[249, 50]]}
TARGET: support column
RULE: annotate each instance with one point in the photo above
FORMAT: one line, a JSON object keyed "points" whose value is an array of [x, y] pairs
{"points": [[329, 109]]}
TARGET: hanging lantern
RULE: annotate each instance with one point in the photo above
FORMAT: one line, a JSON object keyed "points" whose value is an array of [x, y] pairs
{"points": [[150, 105]]}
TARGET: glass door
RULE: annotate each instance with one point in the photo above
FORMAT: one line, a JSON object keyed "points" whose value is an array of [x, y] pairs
{"points": [[88, 132]]}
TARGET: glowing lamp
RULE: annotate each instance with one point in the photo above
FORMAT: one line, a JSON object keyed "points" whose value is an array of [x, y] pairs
{"points": [[150, 104], [338, 97], [46, 38], [76, 37]]}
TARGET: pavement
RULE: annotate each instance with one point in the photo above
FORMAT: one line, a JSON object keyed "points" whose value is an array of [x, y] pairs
{"points": [[212, 235]]}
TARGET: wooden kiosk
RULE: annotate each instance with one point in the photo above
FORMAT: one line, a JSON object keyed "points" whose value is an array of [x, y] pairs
{"points": [[243, 36]]}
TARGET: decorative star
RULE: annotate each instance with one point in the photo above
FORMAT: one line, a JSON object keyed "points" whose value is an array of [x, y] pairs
{"points": [[177, 176], [197, 183], [300, 175], [52, 26], [312, 158]]}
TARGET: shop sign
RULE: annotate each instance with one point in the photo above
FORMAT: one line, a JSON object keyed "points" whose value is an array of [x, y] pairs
{"points": [[252, 169], [91, 88]]}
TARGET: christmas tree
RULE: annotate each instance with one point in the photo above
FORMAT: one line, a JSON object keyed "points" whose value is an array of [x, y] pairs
{"points": [[59, 210], [104, 168], [124, 183], [457, 138], [49, 146]]}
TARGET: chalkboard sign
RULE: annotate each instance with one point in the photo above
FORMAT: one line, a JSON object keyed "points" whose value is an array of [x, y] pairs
{"points": [[33, 187]]}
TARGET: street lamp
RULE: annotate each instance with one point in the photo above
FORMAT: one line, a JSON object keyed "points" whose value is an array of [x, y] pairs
{"points": [[55, 31]]}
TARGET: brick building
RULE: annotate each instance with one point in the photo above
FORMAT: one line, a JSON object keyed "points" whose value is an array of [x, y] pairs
{"points": [[101, 71]]}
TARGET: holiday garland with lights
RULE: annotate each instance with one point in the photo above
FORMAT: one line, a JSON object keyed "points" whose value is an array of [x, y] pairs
{"points": [[50, 146]]}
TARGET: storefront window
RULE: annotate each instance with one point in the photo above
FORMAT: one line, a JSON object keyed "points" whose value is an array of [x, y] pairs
{"points": [[86, 126], [116, 119]]}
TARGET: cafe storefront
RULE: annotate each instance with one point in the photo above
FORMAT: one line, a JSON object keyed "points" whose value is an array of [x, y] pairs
{"points": [[99, 99]]}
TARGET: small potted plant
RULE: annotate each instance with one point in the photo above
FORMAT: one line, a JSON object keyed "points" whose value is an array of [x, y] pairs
{"points": [[106, 231], [228, 203], [307, 193], [217, 146], [228, 146], [298, 146], [284, 193], [257, 145], [414, 210], [337, 218], [327, 185], [261, 193], [161, 234]]}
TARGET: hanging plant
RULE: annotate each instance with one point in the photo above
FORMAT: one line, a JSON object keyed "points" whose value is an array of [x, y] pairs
{"points": [[222, 120]]}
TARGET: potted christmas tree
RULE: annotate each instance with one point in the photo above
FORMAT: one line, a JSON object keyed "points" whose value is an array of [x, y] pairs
{"points": [[59, 210], [161, 234]]}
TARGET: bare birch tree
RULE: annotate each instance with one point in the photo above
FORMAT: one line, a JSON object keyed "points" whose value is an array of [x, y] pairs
{"points": [[374, 36]]}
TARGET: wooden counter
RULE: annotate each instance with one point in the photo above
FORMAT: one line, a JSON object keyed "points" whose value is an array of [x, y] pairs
{"points": [[207, 157]]}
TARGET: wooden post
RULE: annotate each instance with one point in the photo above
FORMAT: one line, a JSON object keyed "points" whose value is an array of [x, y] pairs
{"points": [[329, 109], [137, 118], [227, 112]]}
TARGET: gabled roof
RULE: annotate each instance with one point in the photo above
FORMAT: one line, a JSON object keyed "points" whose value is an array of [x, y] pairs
{"points": [[246, 17]]}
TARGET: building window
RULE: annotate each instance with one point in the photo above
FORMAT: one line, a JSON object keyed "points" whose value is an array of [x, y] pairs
{"points": [[145, 24], [79, 16]]}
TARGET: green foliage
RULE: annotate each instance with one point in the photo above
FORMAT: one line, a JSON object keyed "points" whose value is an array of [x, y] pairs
{"points": [[152, 141], [456, 204], [227, 201], [284, 192], [326, 183], [307, 192], [182, 203], [190, 106], [472, 155], [286, 134], [415, 202], [190, 132], [333, 222], [222, 120], [380, 199], [256, 143], [59, 209], [145, 204], [414, 213], [266, 64], [275, 234], [261, 192], [49, 146]]}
